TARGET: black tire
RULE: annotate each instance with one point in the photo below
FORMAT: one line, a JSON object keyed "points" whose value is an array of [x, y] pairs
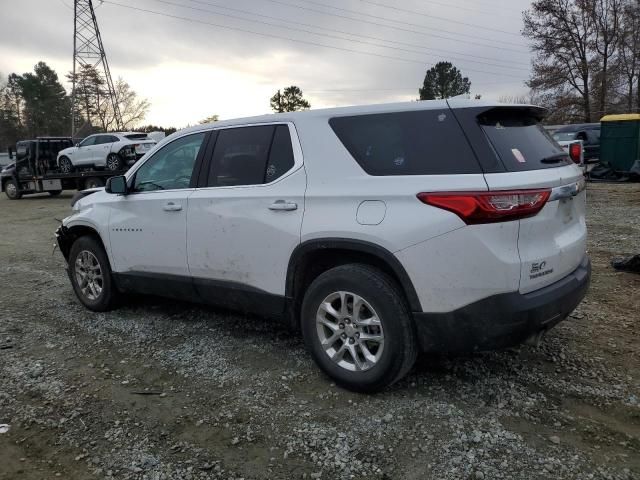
{"points": [[55, 193], [65, 165], [114, 162], [11, 190], [383, 294], [93, 182], [108, 296]]}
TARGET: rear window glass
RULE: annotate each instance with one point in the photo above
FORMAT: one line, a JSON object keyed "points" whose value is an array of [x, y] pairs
{"points": [[136, 136], [426, 142], [281, 154], [521, 141]]}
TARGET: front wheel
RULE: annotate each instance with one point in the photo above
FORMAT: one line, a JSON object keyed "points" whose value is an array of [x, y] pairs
{"points": [[357, 327], [90, 275], [11, 190], [65, 165], [114, 162]]}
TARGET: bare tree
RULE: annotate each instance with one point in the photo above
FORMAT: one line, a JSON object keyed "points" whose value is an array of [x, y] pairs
{"points": [[132, 109], [562, 34], [606, 18], [629, 51], [96, 112]]}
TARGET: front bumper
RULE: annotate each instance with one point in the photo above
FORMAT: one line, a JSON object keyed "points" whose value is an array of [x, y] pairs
{"points": [[503, 320]]}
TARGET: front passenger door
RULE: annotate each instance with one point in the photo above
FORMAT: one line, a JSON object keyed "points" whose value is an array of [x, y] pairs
{"points": [[147, 227], [84, 153]]}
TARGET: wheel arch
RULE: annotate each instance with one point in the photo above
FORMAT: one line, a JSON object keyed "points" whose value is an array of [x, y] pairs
{"points": [[69, 234], [313, 257]]}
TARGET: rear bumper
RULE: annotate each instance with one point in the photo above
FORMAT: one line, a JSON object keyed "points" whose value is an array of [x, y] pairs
{"points": [[503, 320]]}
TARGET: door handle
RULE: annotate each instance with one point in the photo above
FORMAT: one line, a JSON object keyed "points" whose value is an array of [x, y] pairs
{"points": [[282, 205], [172, 207]]}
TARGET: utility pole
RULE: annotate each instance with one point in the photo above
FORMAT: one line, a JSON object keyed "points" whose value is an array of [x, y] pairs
{"points": [[89, 51]]}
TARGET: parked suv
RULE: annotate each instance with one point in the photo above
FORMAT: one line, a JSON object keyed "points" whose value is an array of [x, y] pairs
{"points": [[112, 151], [378, 231]]}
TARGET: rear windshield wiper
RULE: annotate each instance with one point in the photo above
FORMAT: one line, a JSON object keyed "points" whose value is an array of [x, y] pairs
{"points": [[555, 158]]}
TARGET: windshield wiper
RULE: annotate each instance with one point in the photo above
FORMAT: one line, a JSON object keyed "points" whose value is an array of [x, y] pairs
{"points": [[555, 158]]}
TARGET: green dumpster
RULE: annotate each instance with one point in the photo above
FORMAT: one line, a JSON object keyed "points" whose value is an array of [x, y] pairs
{"points": [[620, 142]]}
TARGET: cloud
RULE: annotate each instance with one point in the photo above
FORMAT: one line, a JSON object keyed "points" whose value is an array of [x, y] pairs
{"points": [[190, 69]]}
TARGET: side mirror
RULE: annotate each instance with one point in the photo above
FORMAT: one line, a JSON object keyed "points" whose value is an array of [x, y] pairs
{"points": [[10, 153], [116, 185]]}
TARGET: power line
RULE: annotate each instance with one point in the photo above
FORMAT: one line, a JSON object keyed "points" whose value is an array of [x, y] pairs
{"points": [[306, 42], [427, 15], [446, 5], [360, 35], [353, 12], [289, 27]]}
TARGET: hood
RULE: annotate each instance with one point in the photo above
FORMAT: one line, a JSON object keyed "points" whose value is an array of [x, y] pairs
{"points": [[78, 200], [9, 166], [66, 150]]}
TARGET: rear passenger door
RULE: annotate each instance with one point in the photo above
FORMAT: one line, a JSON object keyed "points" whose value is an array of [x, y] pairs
{"points": [[244, 221]]}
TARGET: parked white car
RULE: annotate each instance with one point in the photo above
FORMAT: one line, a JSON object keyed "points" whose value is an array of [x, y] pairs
{"points": [[112, 151], [445, 226]]}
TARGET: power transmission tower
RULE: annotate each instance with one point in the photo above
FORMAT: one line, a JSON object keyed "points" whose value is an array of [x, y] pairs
{"points": [[89, 51]]}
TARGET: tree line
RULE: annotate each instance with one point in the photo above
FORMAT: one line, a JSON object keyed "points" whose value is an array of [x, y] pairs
{"points": [[587, 57], [36, 104]]}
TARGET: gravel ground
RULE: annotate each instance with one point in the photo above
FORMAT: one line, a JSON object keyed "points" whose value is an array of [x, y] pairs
{"points": [[166, 390]]}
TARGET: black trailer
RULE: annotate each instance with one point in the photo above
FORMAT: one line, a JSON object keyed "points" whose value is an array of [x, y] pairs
{"points": [[35, 170]]}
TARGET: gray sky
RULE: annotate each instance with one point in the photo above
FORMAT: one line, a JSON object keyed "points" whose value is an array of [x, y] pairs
{"points": [[212, 64]]}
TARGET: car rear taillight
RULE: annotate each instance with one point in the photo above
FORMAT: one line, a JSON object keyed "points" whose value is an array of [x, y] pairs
{"points": [[575, 152], [489, 207]]}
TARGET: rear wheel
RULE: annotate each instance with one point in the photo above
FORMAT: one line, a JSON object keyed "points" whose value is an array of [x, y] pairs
{"points": [[90, 275], [11, 190], [357, 327], [65, 165], [114, 162]]}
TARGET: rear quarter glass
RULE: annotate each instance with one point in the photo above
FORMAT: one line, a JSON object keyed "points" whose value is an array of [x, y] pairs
{"points": [[520, 141], [426, 142]]}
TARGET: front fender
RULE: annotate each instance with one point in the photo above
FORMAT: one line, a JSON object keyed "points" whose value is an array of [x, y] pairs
{"points": [[76, 226]]}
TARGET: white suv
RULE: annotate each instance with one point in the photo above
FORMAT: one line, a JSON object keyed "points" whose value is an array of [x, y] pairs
{"points": [[378, 231], [112, 151]]}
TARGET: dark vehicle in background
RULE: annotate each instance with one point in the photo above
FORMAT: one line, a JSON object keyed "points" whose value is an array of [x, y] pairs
{"points": [[33, 169], [589, 133]]}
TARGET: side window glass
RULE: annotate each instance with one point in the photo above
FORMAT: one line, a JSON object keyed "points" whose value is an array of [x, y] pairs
{"points": [[240, 156], [88, 141], [112, 139], [281, 154], [171, 167]]}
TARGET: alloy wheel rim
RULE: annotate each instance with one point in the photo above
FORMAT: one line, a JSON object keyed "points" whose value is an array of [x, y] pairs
{"points": [[11, 189], [350, 331], [112, 162], [65, 166], [89, 275]]}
